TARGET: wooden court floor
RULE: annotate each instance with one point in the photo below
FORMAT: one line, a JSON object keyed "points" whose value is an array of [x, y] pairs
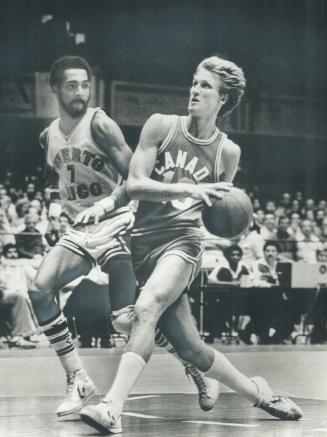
{"points": [[163, 402]]}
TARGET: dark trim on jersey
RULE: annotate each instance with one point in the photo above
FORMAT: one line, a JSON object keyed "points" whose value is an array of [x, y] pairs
{"points": [[194, 140], [222, 139], [169, 136], [75, 248], [178, 227]]}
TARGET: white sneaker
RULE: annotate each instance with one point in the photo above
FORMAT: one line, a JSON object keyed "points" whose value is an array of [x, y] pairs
{"points": [[208, 388], [79, 389], [103, 417], [278, 406]]}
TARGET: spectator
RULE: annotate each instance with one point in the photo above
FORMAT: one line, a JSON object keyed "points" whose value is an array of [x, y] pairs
{"points": [[295, 207], [256, 204], [322, 204], [270, 207], [323, 231], [223, 312], [252, 245], [6, 231], [274, 313], [307, 243], [29, 241], [231, 269], [259, 217], [322, 255], [16, 314], [268, 230], [285, 200], [287, 242], [295, 228]]}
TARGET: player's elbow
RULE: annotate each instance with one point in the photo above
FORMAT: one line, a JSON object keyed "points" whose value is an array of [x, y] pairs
{"points": [[133, 187]]}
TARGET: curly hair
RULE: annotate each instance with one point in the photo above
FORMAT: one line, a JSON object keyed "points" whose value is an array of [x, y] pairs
{"points": [[64, 63], [232, 80]]}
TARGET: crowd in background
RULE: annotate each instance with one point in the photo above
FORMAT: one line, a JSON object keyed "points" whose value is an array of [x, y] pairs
{"points": [[293, 224]]}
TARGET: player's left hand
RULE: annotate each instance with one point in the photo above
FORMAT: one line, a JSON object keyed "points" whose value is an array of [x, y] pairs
{"points": [[90, 215]]}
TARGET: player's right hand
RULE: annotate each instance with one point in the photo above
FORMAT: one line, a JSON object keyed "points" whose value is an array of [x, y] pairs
{"points": [[90, 215], [204, 191]]}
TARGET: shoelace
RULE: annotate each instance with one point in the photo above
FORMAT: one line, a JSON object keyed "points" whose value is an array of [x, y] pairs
{"points": [[70, 383], [195, 374]]}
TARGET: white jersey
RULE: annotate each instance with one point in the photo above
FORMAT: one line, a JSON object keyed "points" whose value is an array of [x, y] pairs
{"points": [[85, 172]]}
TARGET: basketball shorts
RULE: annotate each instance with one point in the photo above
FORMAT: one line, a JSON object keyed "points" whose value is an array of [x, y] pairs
{"points": [[149, 249], [102, 241]]}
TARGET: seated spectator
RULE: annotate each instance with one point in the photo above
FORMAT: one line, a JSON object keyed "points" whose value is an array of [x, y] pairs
{"points": [[295, 229], [259, 217], [17, 319], [285, 201], [29, 240], [256, 204], [307, 243], [270, 206], [231, 268], [6, 230], [273, 313], [223, 310], [287, 242], [251, 245], [268, 230], [323, 231], [295, 206], [321, 255]]}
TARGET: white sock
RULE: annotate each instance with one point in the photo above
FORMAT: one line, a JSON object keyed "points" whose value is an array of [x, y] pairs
{"points": [[61, 340], [225, 372], [130, 368], [162, 342]]}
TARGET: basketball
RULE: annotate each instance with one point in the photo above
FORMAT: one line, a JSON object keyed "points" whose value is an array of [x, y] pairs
{"points": [[230, 216]]}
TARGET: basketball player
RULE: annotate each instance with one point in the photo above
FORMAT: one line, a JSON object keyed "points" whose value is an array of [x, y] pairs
{"points": [[179, 163], [89, 158]]}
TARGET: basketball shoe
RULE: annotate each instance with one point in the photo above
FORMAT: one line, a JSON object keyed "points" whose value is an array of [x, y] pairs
{"points": [[79, 389], [103, 417], [208, 388], [277, 406]]}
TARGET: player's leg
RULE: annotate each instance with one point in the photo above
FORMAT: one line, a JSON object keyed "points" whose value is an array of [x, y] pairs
{"points": [[168, 280], [59, 267], [122, 286], [177, 324]]}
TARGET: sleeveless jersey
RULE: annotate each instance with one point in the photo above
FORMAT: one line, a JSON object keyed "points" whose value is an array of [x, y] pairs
{"points": [[181, 158], [86, 174]]}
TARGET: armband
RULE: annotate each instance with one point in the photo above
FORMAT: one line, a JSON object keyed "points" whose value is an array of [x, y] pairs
{"points": [[55, 210]]}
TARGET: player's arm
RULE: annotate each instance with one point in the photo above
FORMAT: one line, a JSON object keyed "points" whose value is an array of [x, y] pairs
{"points": [[110, 138], [230, 157], [52, 177], [140, 186]]}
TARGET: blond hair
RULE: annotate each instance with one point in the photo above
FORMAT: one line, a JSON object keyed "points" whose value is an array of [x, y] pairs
{"points": [[232, 80]]}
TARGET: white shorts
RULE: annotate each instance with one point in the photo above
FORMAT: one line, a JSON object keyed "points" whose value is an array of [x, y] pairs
{"points": [[101, 241]]}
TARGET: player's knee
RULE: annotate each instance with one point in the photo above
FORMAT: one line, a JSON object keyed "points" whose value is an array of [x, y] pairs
{"points": [[144, 312], [189, 353], [39, 292], [122, 319]]}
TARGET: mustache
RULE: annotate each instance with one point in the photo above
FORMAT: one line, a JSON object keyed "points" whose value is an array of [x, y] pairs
{"points": [[79, 101]]}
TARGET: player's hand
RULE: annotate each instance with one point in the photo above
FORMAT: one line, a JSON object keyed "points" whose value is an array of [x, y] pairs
{"points": [[204, 191], [90, 215]]}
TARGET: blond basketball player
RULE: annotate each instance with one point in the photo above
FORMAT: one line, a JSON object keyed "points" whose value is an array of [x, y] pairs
{"points": [[179, 163]]}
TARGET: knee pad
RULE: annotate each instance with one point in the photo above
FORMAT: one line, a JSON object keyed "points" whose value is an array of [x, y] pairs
{"points": [[122, 319]]}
